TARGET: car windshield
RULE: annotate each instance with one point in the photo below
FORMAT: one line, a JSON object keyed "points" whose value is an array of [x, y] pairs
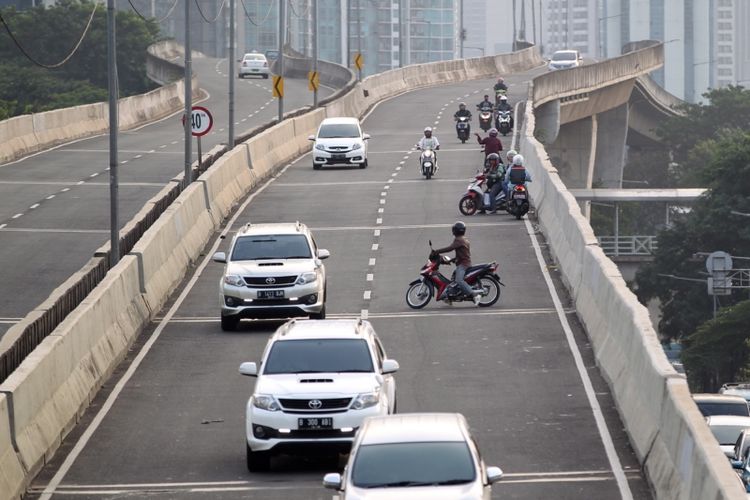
{"points": [[272, 246], [319, 356], [708, 409], [564, 56], [336, 130], [412, 464], [726, 434]]}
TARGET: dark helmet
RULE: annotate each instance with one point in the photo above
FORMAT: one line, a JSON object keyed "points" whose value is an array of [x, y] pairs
{"points": [[459, 229], [493, 132], [493, 157], [462, 106], [486, 96]]}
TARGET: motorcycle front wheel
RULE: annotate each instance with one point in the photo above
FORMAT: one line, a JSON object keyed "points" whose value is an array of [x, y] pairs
{"points": [[467, 205], [419, 294], [490, 291]]}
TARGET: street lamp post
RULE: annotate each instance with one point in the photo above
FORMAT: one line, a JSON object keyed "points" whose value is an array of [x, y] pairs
{"points": [[602, 32], [429, 35]]}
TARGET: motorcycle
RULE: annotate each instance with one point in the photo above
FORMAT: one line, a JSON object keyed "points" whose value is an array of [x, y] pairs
{"points": [[463, 128], [432, 282], [518, 204], [475, 197], [485, 120], [502, 122], [428, 163]]}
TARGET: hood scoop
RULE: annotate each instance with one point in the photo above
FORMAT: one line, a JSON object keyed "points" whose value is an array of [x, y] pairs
{"points": [[316, 381], [266, 264]]}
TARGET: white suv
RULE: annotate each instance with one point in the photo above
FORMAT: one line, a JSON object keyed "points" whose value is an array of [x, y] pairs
{"points": [[272, 271], [339, 141], [317, 381], [564, 59]]}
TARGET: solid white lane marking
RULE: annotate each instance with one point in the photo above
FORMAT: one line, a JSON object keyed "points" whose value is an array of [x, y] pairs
{"points": [[17, 216], [367, 295], [47, 230], [35, 205], [601, 424], [374, 247], [369, 277], [54, 483]]}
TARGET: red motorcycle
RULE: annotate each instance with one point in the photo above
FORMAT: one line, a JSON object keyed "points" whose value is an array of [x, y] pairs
{"points": [[433, 283]]}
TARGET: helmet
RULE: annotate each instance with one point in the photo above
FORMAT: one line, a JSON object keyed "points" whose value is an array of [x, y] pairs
{"points": [[493, 132], [503, 98], [493, 156], [486, 96], [500, 80], [510, 154], [428, 131], [458, 229], [518, 160], [462, 105]]}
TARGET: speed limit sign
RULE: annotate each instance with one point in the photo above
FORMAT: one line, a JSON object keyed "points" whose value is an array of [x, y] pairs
{"points": [[201, 121]]}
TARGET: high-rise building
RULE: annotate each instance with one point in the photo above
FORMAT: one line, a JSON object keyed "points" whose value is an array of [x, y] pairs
{"points": [[570, 24]]}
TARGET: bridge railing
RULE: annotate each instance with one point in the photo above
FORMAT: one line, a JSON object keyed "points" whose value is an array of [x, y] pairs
{"points": [[628, 245]]}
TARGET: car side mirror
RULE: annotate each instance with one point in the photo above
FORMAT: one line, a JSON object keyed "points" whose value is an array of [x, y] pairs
{"points": [[323, 253], [310, 137], [736, 464], [332, 481], [220, 257], [390, 366], [249, 369], [494, 474], [365, 136]]}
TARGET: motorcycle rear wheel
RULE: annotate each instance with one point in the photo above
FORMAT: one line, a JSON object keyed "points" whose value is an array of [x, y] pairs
{"points": [[418, 295], [467, 205], [490, 291]]}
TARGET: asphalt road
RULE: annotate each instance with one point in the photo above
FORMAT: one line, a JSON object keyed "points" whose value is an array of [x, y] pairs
{"points": [[54, 206], [173, 427]]}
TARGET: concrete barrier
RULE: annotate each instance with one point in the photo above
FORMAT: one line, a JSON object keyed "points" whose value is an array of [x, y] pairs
{"points": [[11, 470], [668, 434]]}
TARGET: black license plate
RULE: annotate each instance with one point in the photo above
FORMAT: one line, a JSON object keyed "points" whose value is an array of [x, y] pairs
{"points": [[314, 424], [271, 294], [339, 157]]}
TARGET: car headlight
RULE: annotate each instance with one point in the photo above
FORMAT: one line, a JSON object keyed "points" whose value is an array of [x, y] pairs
{"points": [[356, 146], [320, 147], [366, 400], [234, 280], [305, 278], [265, 402]]}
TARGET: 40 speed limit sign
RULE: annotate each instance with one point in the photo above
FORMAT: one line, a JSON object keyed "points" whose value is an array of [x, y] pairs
{"points": [[201, 121]]}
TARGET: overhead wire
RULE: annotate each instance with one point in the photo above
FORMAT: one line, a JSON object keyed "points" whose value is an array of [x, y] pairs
{"points": [[66, 58], [200, 11], [248, 15], [294, 11], [159, 20]]}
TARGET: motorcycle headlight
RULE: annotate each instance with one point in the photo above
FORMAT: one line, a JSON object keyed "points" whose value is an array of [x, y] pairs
{"points": [[366, 400], [234, 280], [356, 146], [305, 278], [265, 402], [427, 164], [428, 154], [320, 147]]}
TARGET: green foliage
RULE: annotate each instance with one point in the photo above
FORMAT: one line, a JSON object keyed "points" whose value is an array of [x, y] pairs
{"points": [[718, 350], [710, 226], [48, 35]]}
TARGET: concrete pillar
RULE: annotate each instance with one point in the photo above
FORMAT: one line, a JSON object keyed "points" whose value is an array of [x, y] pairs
{"points": [[572, 152], [611, 134]]}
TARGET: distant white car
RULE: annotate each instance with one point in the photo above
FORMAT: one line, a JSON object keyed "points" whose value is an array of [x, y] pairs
{"points": [[726, 429], [339, 141], [736, 389], [416, 456], [564, 59], [254, 64]]}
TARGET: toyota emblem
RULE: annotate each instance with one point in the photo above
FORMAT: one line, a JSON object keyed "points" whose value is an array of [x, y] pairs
{"points": [[315, 404], [270, 281]]}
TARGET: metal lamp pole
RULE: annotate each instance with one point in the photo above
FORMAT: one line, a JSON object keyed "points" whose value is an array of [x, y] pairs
{"points": [[188, 99], [232, 43], [281, 54], [315, 47], [114, 224]]}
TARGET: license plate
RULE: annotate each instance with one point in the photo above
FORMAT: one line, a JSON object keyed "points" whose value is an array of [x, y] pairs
{"points": [[339, 157], [313, 424], [520, 197], [256, 69], [271, 294]]}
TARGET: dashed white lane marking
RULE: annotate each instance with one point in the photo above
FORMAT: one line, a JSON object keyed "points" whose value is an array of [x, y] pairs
{"points": [[371, 262], [381, 210], [17, 216], [386, 187], [162, 146], [383, 193], [123, 162], [390, 180], [173, 142], [382, 201], [152, 151], [369, 277], [3, 225], [364, 314], [394, 174], [402, 162], [378, 221], [79, 183], [398, 168], [367, 295], [262, 107], [35, 205], [50, 197], [376, 233], [94, 174], [374, 247], [64, 190], [138, 156]]}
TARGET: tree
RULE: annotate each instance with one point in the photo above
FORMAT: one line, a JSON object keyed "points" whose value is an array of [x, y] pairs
{"points": [[718, 350], [709, 226]]}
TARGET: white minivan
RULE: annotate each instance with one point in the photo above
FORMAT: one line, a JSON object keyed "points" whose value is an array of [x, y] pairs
{"points": [[564, 59], [339, 141]]}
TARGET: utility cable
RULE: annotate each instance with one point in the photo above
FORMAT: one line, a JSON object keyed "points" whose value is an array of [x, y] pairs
{"points": [[294, 11], [145, 18], [221, 7], [248, 15], [66, 58]]}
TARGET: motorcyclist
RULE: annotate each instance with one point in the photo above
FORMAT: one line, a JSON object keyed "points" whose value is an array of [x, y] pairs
{"points": [[428, 141], [500, 85], [491, 143], [462, 111], [503, 105], [495, 172], [463, 259], [486, 104], [518, 161]]}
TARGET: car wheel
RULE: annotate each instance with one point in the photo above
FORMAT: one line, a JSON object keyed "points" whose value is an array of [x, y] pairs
{"points": [[316, 166], [229, 323], [364, 164], [265, 77], [321, 314], [258, 461]]}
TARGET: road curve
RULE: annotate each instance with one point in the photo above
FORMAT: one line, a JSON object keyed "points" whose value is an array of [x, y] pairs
{"points": [[54, 205], [170, 423]]}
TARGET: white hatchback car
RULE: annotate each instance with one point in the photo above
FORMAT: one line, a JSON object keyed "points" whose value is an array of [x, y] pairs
{"points": [[254, 64], [317, 381], [418, 456], [339, 141], [564, 59]]}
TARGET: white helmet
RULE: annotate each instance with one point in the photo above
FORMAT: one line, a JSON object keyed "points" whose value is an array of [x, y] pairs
{"points": [[518, 160], [503, 98], [428, 129], [510, 154]]}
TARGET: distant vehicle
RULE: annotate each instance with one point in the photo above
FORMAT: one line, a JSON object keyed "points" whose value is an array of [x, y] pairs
{"points": [[339, 141], [415, 455], [736, 389], [317, 381], [272, 55], [564, 59], [726, 429], [254, 64], [742, 467], [721, 404]]}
